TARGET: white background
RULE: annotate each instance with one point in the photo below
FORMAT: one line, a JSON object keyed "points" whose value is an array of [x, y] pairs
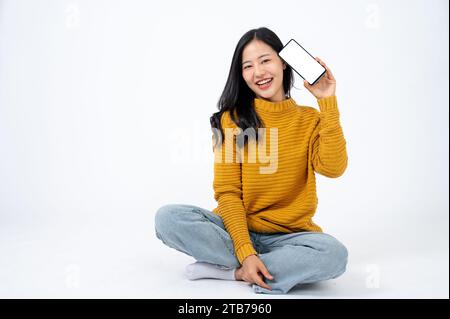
{"points": [[104, 117]]}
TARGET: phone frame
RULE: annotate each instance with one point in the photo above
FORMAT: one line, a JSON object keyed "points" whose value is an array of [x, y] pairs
{"points": [[320, 76]]}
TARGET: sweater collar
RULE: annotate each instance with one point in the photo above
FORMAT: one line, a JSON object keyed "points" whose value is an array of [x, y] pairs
{"points": [[268, 106]]}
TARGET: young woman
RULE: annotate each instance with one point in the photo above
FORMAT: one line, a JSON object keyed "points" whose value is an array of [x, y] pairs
{"points": [[262, 231]]}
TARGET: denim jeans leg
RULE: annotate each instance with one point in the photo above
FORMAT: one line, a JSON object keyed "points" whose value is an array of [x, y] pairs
{"points": [[196, 232], [303, 257]]}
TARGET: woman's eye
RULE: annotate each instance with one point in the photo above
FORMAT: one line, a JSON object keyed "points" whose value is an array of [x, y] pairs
{"points": [[247, 66]]}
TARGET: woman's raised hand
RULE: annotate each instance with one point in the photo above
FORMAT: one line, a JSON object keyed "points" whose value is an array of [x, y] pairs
{"points": [[326, 86]]}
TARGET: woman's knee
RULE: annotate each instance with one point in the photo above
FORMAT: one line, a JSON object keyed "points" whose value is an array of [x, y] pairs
{"points": [[337, 257], [167, 217]]}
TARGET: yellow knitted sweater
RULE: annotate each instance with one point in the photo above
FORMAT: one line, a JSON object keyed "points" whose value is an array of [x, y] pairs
{"points": [[277, 195]]}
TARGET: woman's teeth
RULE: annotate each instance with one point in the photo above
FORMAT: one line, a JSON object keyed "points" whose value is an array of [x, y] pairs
{"points": [[265, 84]]}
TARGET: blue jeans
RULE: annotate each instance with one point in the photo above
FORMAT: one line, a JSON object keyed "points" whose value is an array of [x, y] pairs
{"points": [[291, 258]]}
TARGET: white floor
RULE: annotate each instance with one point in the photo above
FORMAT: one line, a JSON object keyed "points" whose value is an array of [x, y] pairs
{"points": [[96, 258]]}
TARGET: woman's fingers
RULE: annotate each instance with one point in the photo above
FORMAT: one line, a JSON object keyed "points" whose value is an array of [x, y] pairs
{"points": [[306, 84], [265, 272], [255, 271], [329, 74], [259, 281], [323, 64], [320, 62]]}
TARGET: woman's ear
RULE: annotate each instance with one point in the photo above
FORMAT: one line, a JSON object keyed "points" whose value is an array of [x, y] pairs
{"points": [[284, 66]]}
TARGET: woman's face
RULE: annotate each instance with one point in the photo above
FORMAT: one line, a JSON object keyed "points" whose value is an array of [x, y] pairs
{"points": [[259, 63]]}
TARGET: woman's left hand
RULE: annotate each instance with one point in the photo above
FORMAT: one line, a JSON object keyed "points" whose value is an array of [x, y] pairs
{"points": [[325, 87]]}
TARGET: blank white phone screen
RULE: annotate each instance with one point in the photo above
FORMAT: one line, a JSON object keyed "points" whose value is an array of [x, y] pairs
{"points": [[300, 60]]}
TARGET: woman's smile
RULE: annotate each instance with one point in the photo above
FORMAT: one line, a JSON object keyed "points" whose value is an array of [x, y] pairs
{"points": [[265, 84]]}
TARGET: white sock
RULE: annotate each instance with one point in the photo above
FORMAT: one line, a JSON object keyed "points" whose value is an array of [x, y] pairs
{"points": [[199, 270]]}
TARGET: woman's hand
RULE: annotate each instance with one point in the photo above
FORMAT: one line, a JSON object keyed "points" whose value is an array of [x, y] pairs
{"points": [[325, 87], [253, 270]]}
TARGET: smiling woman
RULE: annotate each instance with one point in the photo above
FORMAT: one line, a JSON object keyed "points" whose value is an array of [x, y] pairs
{"points": [[263, 72], [262, 230], [255, 60]]}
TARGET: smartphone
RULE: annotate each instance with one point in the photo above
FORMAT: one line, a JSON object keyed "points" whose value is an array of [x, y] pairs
{"points": [[302, 62]]}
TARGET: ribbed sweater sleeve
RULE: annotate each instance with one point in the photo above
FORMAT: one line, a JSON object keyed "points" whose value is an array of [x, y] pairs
{"points": [[329, 154], [227, 187]]}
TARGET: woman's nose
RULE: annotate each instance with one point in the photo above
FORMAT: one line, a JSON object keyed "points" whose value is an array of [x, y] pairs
{"points": [[258, 71]]}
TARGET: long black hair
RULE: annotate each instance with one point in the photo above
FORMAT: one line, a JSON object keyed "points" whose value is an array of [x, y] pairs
{"points": [[237, 96]]}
